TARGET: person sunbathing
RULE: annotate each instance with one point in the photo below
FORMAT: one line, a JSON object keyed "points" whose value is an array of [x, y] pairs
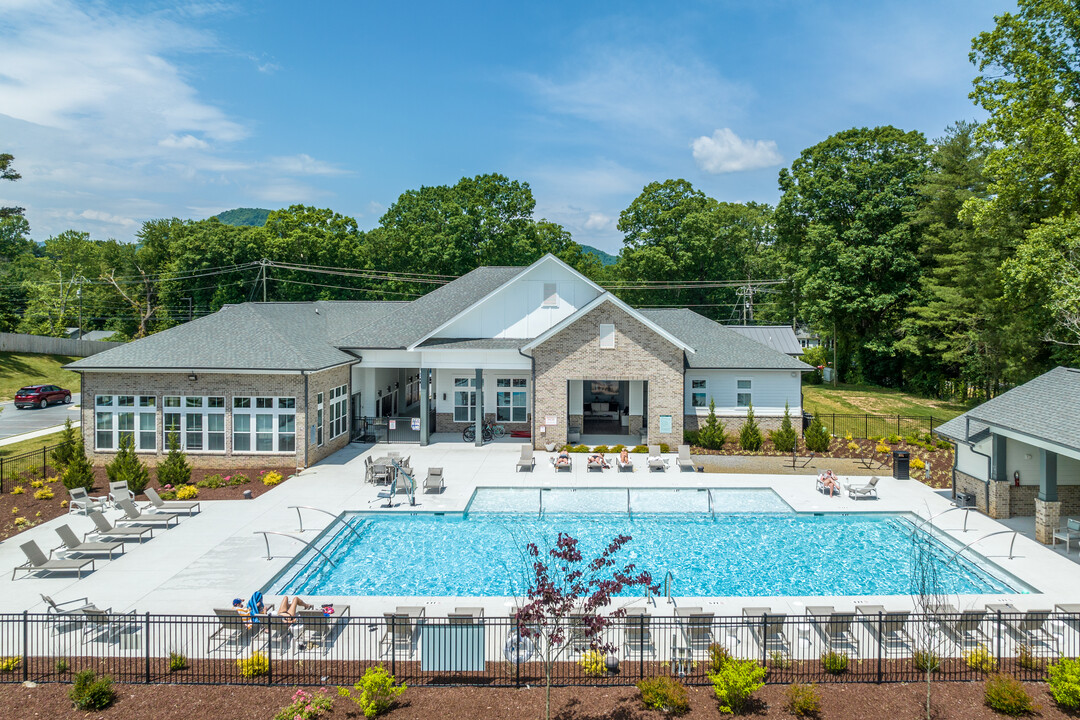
{"points": [[624, 456], [599, 459], [288, 609], [563, 458], [830, 482]]}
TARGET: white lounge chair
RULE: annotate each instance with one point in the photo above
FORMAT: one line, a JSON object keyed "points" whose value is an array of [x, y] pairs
{"points": [[401, 633], [119, 491], [526, 460], [684, 460], [637, 636], [861, 491], [567, 466], [767, 628], [1068, 534], [132, 515], [656, 460], [434, 480], [36, 561], [627, 466], [102, 528], [72, 544], [82, 501], [170, 505]]}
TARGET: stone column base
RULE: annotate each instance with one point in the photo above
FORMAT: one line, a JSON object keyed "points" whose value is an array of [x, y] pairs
{"points": [[1047, 517]]}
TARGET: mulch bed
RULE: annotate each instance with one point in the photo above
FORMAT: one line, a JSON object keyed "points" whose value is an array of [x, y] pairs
{"points": [[35, 511], [959, 701]]}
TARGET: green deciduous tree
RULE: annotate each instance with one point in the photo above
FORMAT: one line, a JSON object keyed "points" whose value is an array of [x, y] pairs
{"points": [[7, 172]]}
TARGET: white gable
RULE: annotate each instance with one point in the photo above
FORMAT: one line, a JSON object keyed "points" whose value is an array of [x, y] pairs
{"points": [[524, 308]]}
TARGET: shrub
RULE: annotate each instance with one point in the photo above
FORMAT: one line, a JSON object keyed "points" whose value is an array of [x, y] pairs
{"points": [[882, 447], [980, 658], [126, 467], [177, 662], [174, 469], [254, 666], [750, 432], [187, 492], [718, 657], [1064, 681], [917, 464], [212, 481], [1027, 659], [735, 682], [692, 437], [592, 663], [665, 694], [854, 446], [785, 438], [665, 448], [63, 453], [893, 439], [598, 449], [44, 494], [62, 666], [926, 661], [835, 663], [37, 483], [1005, 694], [803, 700], [10, 664], [240, 479], [79, 473], [617, 448], [712, 434], [272, 478], [375, 693], [91, 692], [778, 660], [817, 437], [306, 705], [17, 490], [20, 521], [167, 495]]}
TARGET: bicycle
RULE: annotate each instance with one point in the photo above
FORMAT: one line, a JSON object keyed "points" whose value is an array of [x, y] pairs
{"points": [[469, 434]]}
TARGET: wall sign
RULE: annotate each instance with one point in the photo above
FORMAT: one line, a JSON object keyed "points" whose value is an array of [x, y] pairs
{"points": [[551, 419], [415, 423], [665, 423], [393, 424]]}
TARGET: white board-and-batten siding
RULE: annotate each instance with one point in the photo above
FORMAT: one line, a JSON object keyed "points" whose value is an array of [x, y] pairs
{"points": [[769, 390]]}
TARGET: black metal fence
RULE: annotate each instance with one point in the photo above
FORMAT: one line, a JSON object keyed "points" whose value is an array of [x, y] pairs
{"points": [[865, 647], [877, 426], [387, 429], [32, 465]]}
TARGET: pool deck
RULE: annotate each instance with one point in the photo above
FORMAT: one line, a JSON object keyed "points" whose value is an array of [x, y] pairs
{"points": [[219, 554]]}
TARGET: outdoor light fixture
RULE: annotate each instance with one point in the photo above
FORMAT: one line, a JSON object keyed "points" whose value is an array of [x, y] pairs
{"points": [[192, 377], [396, 385]]}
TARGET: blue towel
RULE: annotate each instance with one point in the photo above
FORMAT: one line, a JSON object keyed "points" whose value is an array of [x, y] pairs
{"points": [[255, 605]]}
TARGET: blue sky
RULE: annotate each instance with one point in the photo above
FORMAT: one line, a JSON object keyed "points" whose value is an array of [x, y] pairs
{"points": [[118, 112]]}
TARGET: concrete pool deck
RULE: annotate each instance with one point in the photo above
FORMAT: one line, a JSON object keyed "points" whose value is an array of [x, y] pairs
{"points": [[216, 555]]}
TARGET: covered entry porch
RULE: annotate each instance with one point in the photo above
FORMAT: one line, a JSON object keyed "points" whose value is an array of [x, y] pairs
{"points": [[606, 411]]}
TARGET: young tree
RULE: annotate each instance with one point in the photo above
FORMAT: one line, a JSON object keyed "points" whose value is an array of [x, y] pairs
{"points": [[786, 437], [713, 434], [750, 433], [926, 591], [560, 582], [126, 467], [174, 469], [63, 453], [79, 473], [817, 436]]}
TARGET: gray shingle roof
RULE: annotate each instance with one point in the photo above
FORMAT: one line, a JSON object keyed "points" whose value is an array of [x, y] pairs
{"points": [[408, 323], [473, 343], [778, 337], [251, 336], [1046, 408], [718, 346]]}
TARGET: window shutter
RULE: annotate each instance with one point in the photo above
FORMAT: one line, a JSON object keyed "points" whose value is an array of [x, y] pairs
{"points": [[607, 336]]}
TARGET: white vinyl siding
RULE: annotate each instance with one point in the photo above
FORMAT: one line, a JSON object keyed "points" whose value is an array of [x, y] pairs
{"points": [[770, 389]]}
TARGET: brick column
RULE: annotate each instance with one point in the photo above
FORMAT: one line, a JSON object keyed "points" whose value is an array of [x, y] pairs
{"points": [[1000, 495], [1047, 517]]}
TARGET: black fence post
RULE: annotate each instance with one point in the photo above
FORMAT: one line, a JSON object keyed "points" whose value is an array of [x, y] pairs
{"points": [[764, 637], [393, 647], [43, 468], [880, 644], [641, 647], [269, 653], [998, 636], [25, 645], [517, 656], [147, 641]]}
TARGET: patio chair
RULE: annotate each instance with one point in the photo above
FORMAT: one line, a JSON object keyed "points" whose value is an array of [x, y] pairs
{"points": [[318, 630], [767, 628], [434, 480], [1070, 532], [656, 461], [381, 473], [861, 491], [696, 626], [834, 627], [104, 529], [119, 491], [81, 501], [893, 626], [627, 466], [559, 466], [36, 561], [132, 515], [70, 617], [102, 625], [393, 454], [1031, 630], [526, 459], [388, 494], [466, 616], [232, 629], [684, 460], [72, 544], [401, 631], [594, 464], [637, 638], [368, 470], [160, 505], [966, 628]]}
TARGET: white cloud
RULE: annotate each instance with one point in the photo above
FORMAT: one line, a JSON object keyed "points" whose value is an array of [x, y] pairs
{"points": [[726, 152], [303, 164], [184, 142], [108, 218], [598, 221]]}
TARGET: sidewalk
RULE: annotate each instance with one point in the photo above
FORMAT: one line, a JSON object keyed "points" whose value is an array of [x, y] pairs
{"points": [[35, 434]]}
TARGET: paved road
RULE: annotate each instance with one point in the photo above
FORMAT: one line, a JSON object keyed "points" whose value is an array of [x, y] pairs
{"points": [[16, 422]]}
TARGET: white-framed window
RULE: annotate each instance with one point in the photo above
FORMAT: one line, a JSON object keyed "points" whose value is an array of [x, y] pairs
{"points": [[339, 414], [198, 421], [551, 296], [264, 424], [699, 392], [464, 399], [607, 336], [743, 393], [117, 417], [319, 419], [511, 400]]}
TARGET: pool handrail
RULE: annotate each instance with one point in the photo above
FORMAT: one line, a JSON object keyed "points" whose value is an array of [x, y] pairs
{"points": [[265, 533], [669, 584], [298, 508], [967, 514], [711, 511], [996, 532]]}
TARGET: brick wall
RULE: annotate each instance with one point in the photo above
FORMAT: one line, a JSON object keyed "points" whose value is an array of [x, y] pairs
{"points": [[323, 382], [968, 484], [639, 354], [444, 422], [733, 424]]}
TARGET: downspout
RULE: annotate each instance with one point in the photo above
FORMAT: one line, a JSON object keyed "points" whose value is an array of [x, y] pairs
{"points": [[532, 394], [307, 416]]}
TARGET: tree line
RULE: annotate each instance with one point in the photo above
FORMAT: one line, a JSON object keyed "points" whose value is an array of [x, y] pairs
{"points": [[949, 267]]}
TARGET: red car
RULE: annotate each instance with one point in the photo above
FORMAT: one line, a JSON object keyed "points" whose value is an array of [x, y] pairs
{"points": [[41, 396]]}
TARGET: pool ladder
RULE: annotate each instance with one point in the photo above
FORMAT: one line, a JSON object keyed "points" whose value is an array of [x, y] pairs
{"points": [[266, 536], [298, 508]]}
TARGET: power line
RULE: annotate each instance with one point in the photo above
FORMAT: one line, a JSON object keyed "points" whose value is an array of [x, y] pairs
{"points": [[342, 287]]}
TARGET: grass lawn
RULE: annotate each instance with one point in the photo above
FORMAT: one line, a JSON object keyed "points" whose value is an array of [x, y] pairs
{"points": [[30, 445], [19, 369], [873, 400]]}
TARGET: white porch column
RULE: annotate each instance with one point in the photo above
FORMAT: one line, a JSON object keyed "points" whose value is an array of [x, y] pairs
{"points": [[425, 429], [479, 408]]}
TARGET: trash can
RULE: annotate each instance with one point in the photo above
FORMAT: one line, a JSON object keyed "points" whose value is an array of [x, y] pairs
{"points": [[807, 418], [900, 463]]}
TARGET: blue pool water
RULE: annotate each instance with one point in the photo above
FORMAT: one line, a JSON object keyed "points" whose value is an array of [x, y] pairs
{"points": [[749, 544]]}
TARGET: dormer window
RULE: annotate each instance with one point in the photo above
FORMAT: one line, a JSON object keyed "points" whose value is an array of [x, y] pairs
{"points": [[551, 296]]}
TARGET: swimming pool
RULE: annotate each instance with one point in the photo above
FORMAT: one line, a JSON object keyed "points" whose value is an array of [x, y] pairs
{"points": [[715, 543]]}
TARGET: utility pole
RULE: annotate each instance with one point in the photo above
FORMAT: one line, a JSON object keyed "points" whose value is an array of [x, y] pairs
{"points": [[189, 313], [265, 271], [78, 294], [834, 368]]}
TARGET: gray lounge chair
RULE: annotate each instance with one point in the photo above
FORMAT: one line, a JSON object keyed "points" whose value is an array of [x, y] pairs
{"points": [[466, 616], [72, 544], [861, 491], [319, 629], [132, 515], [170, 505], [104, 529], [62, 617], [526, 460], [684, 460], [567, 466], [102, 625], [966, 628], [401, 632], [767, 628], [82, 501], [434, 480], [627, 466], [233, 629], [36, 561], [119, 491], [595, 465], [1031, 630], [696, 625], [656, 460], [637, 637]]}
